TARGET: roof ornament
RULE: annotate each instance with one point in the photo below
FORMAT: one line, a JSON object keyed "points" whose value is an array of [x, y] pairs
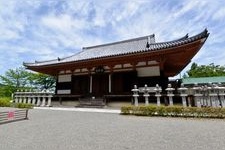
{"points": [[151, 38], [147, 45]]}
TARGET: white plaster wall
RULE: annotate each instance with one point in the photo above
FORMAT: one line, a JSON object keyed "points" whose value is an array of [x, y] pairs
{"points": [[63, 91], [143, 63], [148, 71], [64, 78]]}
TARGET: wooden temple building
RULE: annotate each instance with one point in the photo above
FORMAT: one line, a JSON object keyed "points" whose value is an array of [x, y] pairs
{"points": [[111, 70]]}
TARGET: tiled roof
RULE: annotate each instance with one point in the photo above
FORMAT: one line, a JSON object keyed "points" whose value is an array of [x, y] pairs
{"points": [[142, 44], [203, 80]]}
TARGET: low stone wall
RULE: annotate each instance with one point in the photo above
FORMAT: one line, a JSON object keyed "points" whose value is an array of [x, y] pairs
{"points": [[37, 98]]}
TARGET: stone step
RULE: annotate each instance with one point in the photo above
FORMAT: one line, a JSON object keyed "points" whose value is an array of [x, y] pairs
{"points": [[91, 103]]}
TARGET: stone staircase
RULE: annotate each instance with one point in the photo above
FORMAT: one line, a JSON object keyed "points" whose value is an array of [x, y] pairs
{"points": [[91, 103]]}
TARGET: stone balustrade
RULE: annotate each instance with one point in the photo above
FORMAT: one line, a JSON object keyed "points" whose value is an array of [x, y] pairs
{"points": [[203, 96], [37, 98]]}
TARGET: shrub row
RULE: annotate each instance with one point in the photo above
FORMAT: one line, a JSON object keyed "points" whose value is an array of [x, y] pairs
{"points": [[174, 111], [23, 105], [5, 102]]}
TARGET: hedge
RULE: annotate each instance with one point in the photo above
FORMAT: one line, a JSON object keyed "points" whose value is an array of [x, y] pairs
{"points": [[5, 102], [174, 111], [23, 105]]}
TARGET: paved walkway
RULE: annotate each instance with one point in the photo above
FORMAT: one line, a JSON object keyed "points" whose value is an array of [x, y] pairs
{"points": [[100, 110], [6, 109], [52, 129]]}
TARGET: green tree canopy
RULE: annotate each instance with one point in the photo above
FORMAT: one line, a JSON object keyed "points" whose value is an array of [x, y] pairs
{"points": [[42, 81], [19, 78], [14, 79], [210, 70]]}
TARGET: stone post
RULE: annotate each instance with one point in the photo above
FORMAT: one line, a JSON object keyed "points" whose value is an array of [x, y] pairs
{"points": [[16, 98], [218, 101], [49, 100], [146, 94], [205, 95], [29, 98], [135, 95], [197, 95], [24, 96], [158, 90], [43, 101], [170, 94], [33, 98], [210, 95], [189, 101], [20, 97], [38, 99], [183, 93], [221, 96]]}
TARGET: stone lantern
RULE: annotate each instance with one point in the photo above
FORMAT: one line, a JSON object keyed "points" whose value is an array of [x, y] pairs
{"points": [[158, 91], [170, 94], [146, 94], [135, 91], [183, 93]]}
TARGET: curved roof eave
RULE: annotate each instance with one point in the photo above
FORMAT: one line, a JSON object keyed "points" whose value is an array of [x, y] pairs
{"points": [[124, 46]]}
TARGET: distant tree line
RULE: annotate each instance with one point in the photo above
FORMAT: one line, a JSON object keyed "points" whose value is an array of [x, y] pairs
{"points": [[210, 70], [20, 78]]}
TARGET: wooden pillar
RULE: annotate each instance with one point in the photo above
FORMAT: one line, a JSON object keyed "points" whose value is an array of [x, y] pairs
{"points": [[110, 83], [90, 84], [134, 65], [110, 78]]}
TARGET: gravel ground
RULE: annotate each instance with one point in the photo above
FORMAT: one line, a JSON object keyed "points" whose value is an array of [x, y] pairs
{"points": [[5, 109], [64, 130]]}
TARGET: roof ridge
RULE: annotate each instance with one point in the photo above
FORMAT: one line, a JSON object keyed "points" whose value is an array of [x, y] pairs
{"points": [[119, 42], [50, 60], [203, 33]]}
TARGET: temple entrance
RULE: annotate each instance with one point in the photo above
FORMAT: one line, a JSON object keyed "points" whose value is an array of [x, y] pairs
{"points": [[80, 84], [100, 84], [123, 82]]}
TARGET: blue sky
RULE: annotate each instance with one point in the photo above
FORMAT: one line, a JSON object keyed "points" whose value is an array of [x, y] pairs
{"points": [[46, 29]]}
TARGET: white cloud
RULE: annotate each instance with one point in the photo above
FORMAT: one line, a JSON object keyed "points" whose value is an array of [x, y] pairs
{"points": [[48, 29], [219, 14], [63, 22]]}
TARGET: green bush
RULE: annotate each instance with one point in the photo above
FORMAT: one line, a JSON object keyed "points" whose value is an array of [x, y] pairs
{"points": [[126, 109], [5, 102], [174, 111], [23, 105]]}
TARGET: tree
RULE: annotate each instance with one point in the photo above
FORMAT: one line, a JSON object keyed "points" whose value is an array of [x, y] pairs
{"points": [[210, 70], [42, 81], [14, 79], [19, 78]]}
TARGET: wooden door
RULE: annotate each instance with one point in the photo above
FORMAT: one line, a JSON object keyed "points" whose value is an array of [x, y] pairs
{"points": [[81, 84], [100, 85]]}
